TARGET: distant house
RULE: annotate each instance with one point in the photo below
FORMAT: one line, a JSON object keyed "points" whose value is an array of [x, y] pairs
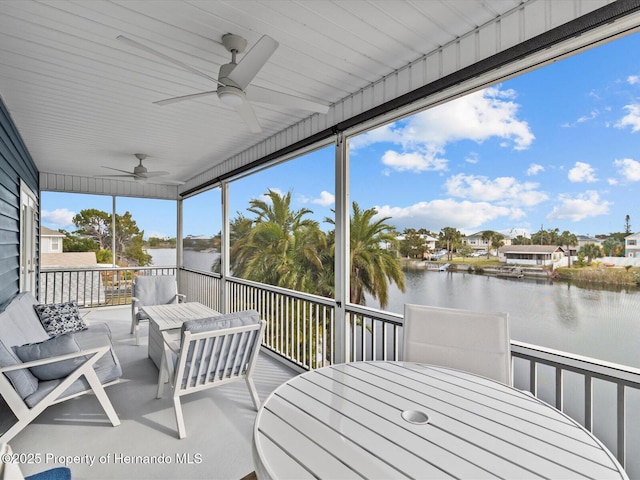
{"points": [[632, 246], [585, 240], [71, 276], [543, 255], [50, 240], [429, 241], [476, 241]]}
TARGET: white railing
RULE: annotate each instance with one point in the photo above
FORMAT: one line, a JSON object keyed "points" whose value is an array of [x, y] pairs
{"points": [[92, 287], [299, 326], [300, 329], [557, 383], [201, 287]]}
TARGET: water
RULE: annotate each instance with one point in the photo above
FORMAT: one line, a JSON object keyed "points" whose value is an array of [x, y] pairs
{"points": [[597, 323], [192, 259]]}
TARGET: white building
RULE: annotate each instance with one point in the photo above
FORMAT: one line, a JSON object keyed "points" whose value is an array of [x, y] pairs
{"points": [[50, 240]]}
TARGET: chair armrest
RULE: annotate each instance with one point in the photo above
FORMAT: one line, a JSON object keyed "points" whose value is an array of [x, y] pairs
{"points": [[172, 341], [44, 361]]}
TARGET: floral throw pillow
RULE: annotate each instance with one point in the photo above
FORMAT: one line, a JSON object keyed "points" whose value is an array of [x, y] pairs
{"points": [[59, 318]]}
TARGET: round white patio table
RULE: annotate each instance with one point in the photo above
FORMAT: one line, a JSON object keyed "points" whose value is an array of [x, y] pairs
{"points": [[405, 420]]}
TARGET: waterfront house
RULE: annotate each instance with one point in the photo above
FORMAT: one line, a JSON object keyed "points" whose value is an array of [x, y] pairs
{"points": [[76, 96], [632, 245], [480, 244], [539, 255]]}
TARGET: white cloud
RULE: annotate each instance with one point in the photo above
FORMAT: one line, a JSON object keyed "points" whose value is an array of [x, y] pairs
{"points": [[629, 169], [472, 158], [449, 212], [631, 119], [633, 79], [534, 169], [582, 172], [503, 190], [584, 205], [60, 217], [414, 161], [488, 113], [326, 199]]}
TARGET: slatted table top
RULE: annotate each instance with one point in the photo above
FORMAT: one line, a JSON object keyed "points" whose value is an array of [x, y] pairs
{"points": [[346, 421], [172, 316]]}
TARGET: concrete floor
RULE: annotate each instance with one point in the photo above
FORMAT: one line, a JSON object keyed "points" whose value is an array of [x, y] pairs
{"points": [[219, 422]]}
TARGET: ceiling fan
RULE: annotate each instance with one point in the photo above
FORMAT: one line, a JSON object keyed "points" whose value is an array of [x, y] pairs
{"points": [[140, 173], [234, 78]]}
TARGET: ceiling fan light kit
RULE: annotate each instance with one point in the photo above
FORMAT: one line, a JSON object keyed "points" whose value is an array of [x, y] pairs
{"points": [[234, 78]]}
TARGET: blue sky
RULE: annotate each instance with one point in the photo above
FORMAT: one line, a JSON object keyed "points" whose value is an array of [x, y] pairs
{"points": [[557, 147]]}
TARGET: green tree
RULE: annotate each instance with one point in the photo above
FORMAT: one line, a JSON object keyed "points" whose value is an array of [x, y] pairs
{"points": [[591, 251], [486, 236], [283, 246], [496, 242], [372, 266], [77, 243], [521, 240], [627, 224], [613, 247], [545, 237], [450, 238], [568, 239], [413, 244], [95, 224]]}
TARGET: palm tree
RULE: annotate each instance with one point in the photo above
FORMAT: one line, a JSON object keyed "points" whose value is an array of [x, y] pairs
{"points": [[450, 237], [487, 235], [591, 251], [372, 266], [570, 240], [282, 248], [497, 241]]}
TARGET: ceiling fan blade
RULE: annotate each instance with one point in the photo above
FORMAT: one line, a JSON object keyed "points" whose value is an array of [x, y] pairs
{"points": [[167, 101], [118, 170], [153, 174], [253, 61], [265, 95], [169, 59], [131, 175], [249, 116], [164, 181]]}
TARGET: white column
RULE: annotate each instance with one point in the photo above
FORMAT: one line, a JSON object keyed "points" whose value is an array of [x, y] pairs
{"points": [[341, 345]]}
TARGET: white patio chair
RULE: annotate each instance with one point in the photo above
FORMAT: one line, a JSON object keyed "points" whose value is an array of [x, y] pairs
{"points": [[151, 290], [211, 352], [84, 379], [476, 342]]}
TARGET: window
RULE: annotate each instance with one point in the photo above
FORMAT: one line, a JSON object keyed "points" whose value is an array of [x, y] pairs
{"points": [[282, 223], [202, 229]]}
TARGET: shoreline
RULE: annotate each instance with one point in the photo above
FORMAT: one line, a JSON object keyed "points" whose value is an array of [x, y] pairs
{"points": [[599, 274]]}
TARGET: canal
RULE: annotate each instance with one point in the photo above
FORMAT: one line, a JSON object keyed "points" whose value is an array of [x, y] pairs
{"points": [[589, 321]]}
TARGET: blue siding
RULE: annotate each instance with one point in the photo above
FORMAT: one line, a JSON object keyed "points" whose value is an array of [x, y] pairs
{"points": [[15, 165]]}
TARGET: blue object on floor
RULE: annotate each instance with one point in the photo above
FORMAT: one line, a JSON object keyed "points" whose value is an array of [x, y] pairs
{"points": [[60, 473]]}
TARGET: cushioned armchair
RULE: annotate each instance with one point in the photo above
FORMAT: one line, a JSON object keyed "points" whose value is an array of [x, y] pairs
{"points": [[151, 290], [211, 352]]}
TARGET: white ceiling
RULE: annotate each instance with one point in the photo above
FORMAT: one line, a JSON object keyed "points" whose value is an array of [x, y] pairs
{"points": [[82, 99]]}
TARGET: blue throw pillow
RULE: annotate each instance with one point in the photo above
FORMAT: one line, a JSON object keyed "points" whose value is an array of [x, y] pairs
{"points": [[60, 345], [59, 318]]}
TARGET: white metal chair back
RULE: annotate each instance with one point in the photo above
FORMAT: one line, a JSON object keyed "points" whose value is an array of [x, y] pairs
{"points": [[215, 354], [476, 342]]}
